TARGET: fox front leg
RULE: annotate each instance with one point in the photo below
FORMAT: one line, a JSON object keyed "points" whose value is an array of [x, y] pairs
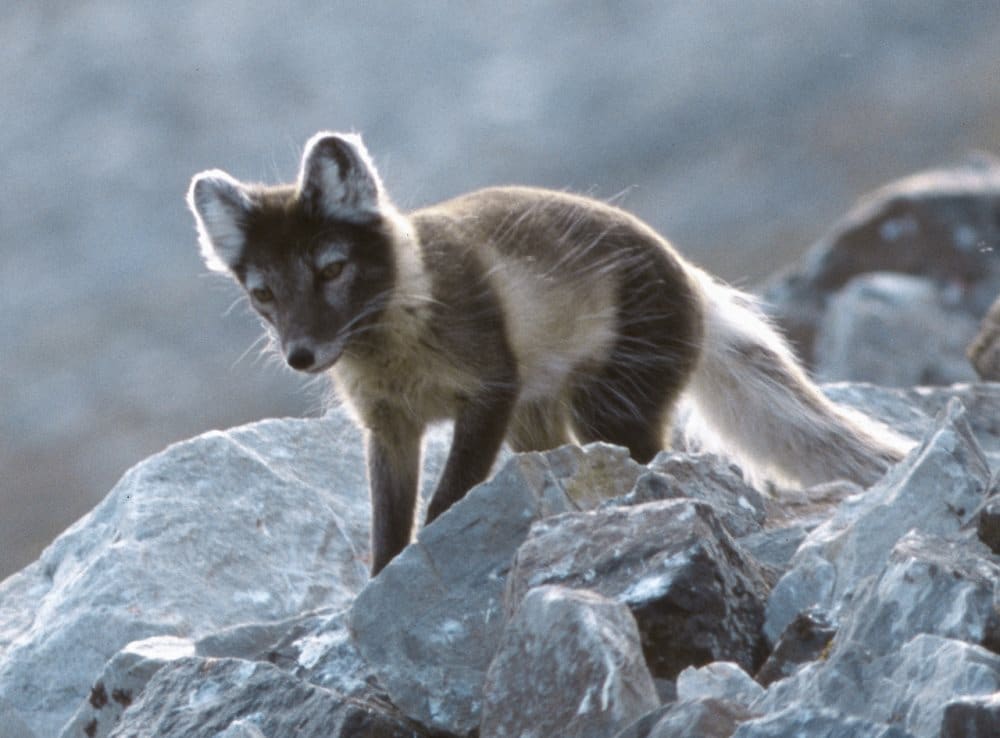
{"points": [[393, 472], [480, 427]]}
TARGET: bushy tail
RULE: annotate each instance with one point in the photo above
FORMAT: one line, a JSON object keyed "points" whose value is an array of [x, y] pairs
{"points": [[753, 395]]}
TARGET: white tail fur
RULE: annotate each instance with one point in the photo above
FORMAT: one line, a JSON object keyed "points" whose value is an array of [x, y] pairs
{"points": [[756, 399]]}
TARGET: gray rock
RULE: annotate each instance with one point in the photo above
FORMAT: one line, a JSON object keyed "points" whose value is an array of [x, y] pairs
{"points": [[910, 687], [929, 585], [937, 489], [255, 524], [430, 623], [926, 675], [895, 655], [201, 698], [315, 647], [706, 477], [803, 640], [260, 641], [892, 329], [941, 225], [722, 680], [327, 656], [775, 548], [972, 717], [816, 723], [122, 680], [569, 663], [704, 718], [695, 595]]}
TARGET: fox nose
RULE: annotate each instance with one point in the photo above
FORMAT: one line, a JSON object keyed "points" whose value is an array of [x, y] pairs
{"points": [[301, 359]]}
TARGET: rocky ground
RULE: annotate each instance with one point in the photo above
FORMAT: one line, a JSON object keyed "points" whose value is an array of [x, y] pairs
{"points": [[741, 130], [220, 588]]}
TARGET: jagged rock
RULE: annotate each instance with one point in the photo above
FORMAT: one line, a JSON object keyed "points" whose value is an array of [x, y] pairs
{"points": [[569, 663], [704, 718], [695, 595], [942, 225], [200, 698], [255, 524], [722, 680], [910, 687], [316, 647], [706, 477], [122, 680], [937, 489], [815, 723], [929, 585], [802, 641], [893, 330], [984, 349], [972, 717], [430, 623], [774, 548], [895, 657], [326, 655], [260, 641]]}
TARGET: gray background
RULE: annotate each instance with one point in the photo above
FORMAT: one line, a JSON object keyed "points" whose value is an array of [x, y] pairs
{"points": [[740, 129]]}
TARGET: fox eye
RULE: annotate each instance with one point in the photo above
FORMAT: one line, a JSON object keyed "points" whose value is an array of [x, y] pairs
{"points": [[331, 271], [262, 294]]}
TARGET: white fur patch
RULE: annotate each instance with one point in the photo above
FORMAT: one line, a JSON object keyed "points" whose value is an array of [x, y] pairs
{"points": [[554, 327], [219, 203]]}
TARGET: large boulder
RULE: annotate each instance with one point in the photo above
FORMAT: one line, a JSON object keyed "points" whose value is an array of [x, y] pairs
{"points": [[260, 523], [696, 595], [569, 663], [938, 488], [942, 225], [894, 330]]}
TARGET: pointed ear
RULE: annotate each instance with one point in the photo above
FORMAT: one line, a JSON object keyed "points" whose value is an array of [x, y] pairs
{"points": [[338, 179], [220, 204]]}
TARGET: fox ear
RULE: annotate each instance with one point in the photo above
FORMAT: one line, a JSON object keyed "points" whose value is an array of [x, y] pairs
{"points": [[338, 179], [220, 204]]}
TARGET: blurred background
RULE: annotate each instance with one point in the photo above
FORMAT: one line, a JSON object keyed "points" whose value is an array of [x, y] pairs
{"points": [[741, 130]]}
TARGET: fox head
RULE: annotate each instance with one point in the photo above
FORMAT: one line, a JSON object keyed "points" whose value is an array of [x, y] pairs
{"points": [[316, 258]]}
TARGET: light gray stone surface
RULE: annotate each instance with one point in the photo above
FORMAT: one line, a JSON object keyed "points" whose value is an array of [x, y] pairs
{"points": [[255, 524], [122, 681], [719, 679], [894, 330], [201, 698], [816, 723], [569, 663], [937, 489]]}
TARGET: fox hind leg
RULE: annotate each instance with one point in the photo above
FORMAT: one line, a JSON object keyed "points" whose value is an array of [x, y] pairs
{"points": [[626, 408]]}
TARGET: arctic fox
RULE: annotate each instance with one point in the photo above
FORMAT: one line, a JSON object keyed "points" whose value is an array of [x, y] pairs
{"points": [[523, 314]]}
